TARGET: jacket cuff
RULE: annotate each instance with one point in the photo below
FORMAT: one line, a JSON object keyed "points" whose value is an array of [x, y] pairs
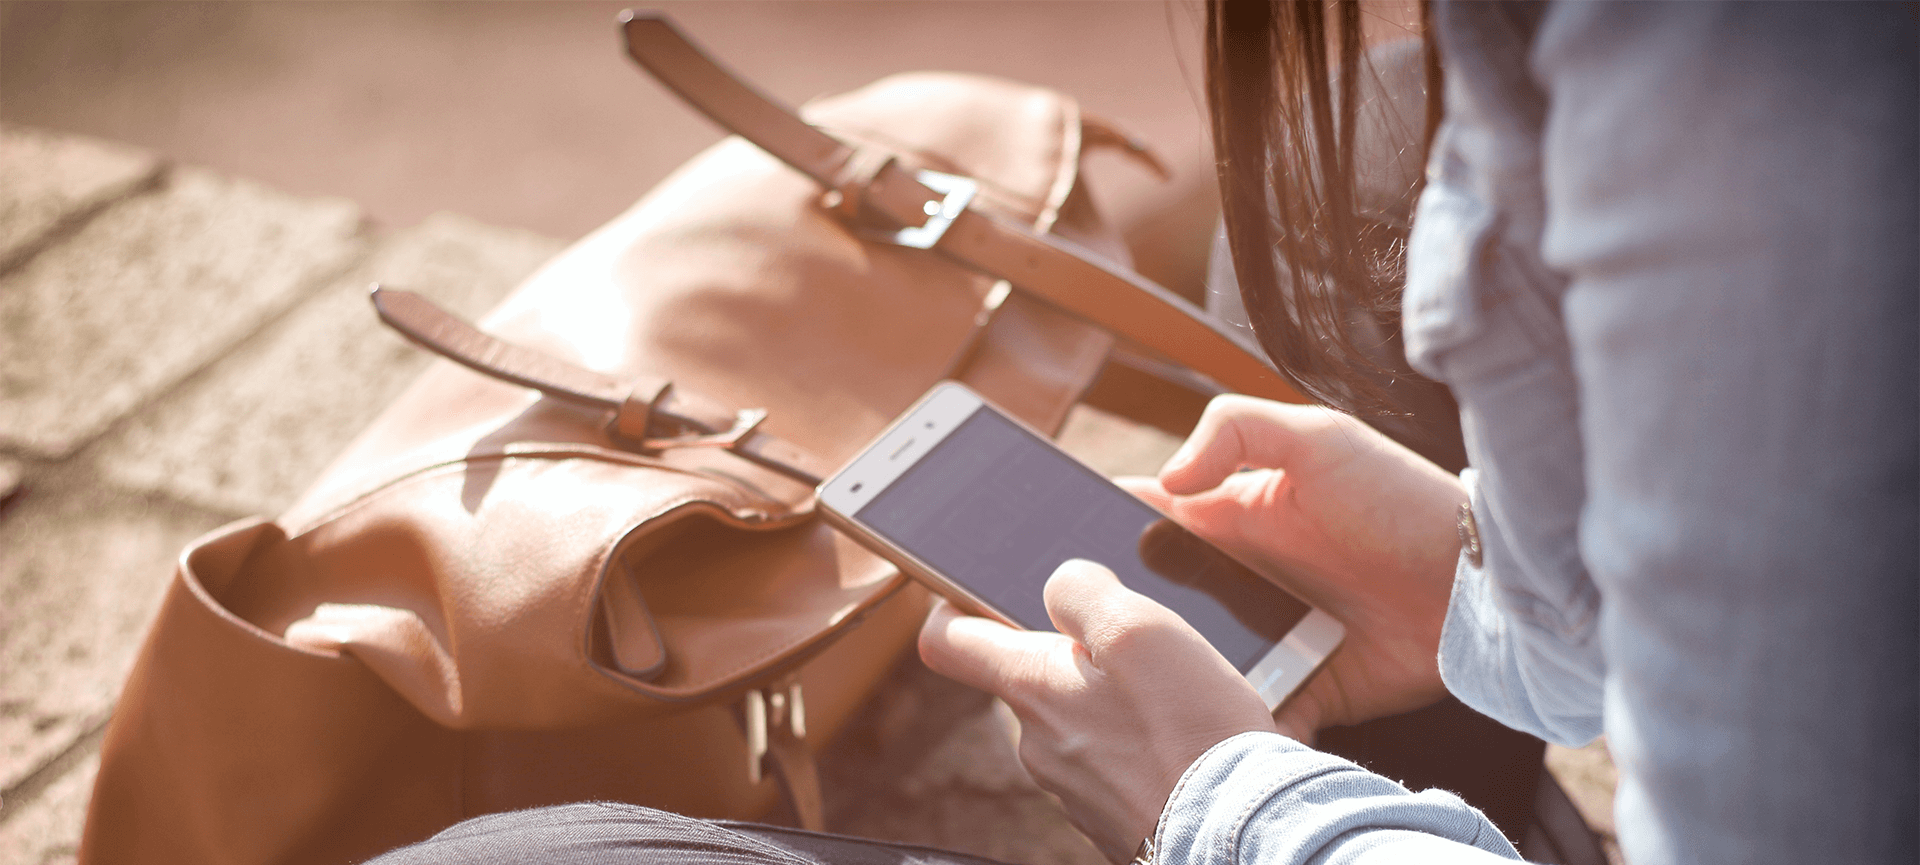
{"points": [[1540, 688], [1261, 797]]}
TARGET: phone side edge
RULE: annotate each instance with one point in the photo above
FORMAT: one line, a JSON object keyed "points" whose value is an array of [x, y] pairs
{"points": [[909, 564], [1298, 655]]}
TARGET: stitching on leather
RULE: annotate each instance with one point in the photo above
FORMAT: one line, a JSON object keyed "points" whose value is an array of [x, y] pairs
{"points": [[602, 567], [722, 510], [186, 576]]}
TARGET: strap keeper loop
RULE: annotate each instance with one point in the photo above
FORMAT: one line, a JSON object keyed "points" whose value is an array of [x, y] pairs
{"points": [[635, 414], [850, 183]]}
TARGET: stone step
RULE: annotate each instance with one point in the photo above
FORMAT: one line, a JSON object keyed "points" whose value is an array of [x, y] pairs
{"points": [[251, 431], [150, 290], [53, 181]]}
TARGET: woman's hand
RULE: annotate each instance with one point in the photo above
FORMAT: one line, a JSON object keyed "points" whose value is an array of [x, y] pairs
{"points": [[1346, 518], [1116, 706], [1113, 708]]}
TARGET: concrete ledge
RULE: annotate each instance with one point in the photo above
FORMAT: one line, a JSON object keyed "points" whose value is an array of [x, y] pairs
{"points": [[150, 290], [251, 431], [49, 181], [45, 832], [83, 572]]}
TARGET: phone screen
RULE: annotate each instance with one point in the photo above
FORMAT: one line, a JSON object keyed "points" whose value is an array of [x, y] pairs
{"points": [[997, 509]]}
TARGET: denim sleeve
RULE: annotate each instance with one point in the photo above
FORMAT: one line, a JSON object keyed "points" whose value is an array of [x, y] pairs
{"points": [[1482, 313], [1500, 653], [1731, 193], [1263, 798]]}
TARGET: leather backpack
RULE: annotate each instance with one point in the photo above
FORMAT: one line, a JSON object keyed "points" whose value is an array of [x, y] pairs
{"points": [[579, 559]]}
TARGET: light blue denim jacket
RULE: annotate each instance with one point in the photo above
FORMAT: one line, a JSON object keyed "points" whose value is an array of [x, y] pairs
{"points": [[1666, 260]]}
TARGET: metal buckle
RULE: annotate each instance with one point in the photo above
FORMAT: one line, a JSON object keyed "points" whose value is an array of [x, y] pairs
{"points": [[756, 711], [940, 214], [768, 710], [743, 426]]}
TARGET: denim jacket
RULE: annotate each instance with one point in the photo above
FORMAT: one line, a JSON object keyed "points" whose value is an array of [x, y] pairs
{"points": [[1666, 260]]}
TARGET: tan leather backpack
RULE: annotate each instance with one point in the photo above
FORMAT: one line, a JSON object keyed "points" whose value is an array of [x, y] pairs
{"points": [[593, 571]]}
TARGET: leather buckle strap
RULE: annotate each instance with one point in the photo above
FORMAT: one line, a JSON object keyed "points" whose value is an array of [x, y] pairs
{"points": [[662, 415], [744, 425], [940, 214], [655, 44], [1064, 274]]}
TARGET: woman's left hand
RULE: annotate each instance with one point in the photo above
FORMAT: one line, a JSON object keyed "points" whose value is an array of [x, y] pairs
{"points": [[1113, 708]]}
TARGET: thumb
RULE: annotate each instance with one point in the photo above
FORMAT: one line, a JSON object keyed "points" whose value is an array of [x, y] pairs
{"points": [[984, 654], [1090, 606]]}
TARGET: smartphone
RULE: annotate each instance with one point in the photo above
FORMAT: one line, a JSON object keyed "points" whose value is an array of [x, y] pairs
{"points": [[983, 509]]}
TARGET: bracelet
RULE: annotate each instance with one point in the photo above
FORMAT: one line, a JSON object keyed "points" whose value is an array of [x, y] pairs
{"points": [[1469, 531], [1144, 855]]}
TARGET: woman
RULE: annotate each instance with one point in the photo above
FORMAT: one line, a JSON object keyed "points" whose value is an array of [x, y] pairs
{"points": [[1665, 256]]}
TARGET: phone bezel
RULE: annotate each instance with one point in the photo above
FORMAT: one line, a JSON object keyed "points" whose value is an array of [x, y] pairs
{"points": [[928, 422], [897, 448]]}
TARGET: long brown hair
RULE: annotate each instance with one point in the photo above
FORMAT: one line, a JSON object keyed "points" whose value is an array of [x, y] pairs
{"points": [[1281, 82]]}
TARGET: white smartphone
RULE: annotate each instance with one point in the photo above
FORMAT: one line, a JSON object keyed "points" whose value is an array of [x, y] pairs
{"points": [[984, 509]]}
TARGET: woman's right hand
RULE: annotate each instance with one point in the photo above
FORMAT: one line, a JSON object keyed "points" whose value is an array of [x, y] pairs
{"points": [[1346, 518]]}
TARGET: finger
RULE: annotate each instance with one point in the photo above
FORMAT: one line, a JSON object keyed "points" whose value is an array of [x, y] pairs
{"points": [[1241, 508], [1146, 489], [1244, 511], [984, 654], [1218, 514], [1090, 605], [1238, 432]]}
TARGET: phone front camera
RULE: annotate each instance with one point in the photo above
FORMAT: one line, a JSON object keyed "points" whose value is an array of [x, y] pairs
{"points": [[856, 487]]}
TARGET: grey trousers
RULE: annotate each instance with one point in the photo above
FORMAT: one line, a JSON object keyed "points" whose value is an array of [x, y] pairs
{"points": [[614, 833]]}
